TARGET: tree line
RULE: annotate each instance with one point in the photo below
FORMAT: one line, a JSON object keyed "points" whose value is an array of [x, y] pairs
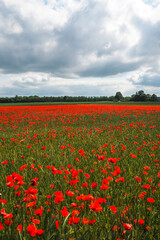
{"points": [[139, 96]]}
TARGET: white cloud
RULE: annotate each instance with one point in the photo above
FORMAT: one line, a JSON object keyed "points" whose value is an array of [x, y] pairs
{"points": [[153, 3], [73, 43], [39, 16]]}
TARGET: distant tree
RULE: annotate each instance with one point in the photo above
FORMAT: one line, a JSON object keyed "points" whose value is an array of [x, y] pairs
{"points": [[16, 98], [154, 98], [127, 99], [148, 97], [111, 98], [65, 98], [118, 96], [140, 96]]}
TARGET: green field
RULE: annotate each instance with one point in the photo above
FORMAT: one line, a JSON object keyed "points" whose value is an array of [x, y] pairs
{"points": [[79, 103], [84, 172]]}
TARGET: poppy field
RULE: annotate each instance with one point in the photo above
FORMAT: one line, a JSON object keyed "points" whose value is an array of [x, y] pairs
{"points": [[83, 172]]}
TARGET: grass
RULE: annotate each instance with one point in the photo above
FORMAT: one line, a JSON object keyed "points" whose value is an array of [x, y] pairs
{"points": [[80, 172], [79, 103]]}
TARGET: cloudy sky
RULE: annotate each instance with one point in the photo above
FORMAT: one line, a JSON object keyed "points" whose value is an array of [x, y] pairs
{"points": [[79, 47]]}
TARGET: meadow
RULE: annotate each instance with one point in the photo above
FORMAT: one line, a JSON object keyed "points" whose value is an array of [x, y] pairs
{"points": [[83, 172], [80, 103]]}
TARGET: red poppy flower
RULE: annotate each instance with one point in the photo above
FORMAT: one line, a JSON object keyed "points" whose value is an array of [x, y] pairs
{"points": [[59, 197], [39, 232], [87, 175], [94, 185], [70, 193], [19, 228], [74, 205], [36, 221], [7, 222], [91, 222], [64, 212], [85, 220], [104, 187], [121, 179], [1, 226], [150, 200], [140, 221], [138, 179], [57, 224], [8, 216], [95, 206], [147, 186], [73, 220], [105, 181], [31, 204], [84, 184], [114, 209], [127, 226], [3, 201], [112, 160], [32, 230], [39, 211], [31, 190]]}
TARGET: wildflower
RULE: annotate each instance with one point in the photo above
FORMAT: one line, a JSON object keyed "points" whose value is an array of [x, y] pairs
{"points": [[150, 200], [121, 179], [39, 211], [39, 232], [85, 184], [64, 212], [85, 220], [32, 230], [127, 226], [19, 228], [57, 224], [140, 221], [95, 206], [59, 197], [114, 209], [1, 226], [94, 185], [91, 222]]}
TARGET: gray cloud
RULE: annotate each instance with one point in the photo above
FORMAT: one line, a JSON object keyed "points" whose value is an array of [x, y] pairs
{"points": [[147, 80], [149, 45], [95, 40], [109, 68], [81, 35]]}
